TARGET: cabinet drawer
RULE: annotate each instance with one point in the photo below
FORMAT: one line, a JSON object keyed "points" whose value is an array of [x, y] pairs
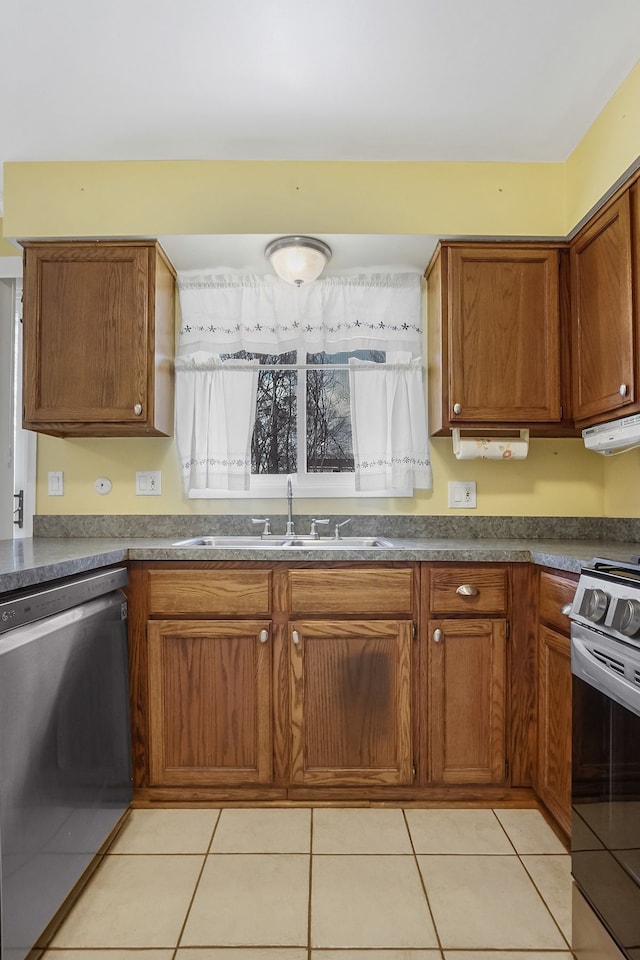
{"points": [[351, 591], [210, 592], [468, 589], [555, 593]]}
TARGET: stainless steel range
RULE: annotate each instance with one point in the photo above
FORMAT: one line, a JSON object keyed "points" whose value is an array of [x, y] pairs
{"points": [[605, 663]]}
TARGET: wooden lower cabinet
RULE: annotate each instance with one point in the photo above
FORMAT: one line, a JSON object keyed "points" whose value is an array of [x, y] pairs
{"points": [[210, 714], [467, 701], [554, 724], [554, 695], [351, 718]]}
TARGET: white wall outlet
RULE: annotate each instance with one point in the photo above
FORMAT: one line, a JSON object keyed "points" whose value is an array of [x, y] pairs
{"points": [[148, 483], [55, 483], [462, 494]]}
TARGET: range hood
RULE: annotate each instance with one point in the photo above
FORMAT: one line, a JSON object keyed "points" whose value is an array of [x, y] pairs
{"points": [[613, 437]]}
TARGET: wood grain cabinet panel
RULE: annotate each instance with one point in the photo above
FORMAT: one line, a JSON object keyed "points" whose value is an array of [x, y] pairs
{"points": [[371, 590], [554, 724], [210, 592], [210, 716], [467, 713], [351, 702], [98, 339], [604, 329], [494, 336], [555, 695], [468, 590]]}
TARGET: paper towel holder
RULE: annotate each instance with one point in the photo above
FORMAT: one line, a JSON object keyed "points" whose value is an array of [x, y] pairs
{"points": [[499, 444]]}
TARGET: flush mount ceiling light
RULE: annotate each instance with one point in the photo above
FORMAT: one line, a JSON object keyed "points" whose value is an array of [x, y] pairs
{"points": [[298, 259]]}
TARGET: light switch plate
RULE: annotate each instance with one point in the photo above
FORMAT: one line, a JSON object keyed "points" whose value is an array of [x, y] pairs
{"points": [[55, 483], [462, 494], [148, 483]]}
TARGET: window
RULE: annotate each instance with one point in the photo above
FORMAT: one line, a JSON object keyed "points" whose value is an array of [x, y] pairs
{"points": [[323, 382], [303, 412]]}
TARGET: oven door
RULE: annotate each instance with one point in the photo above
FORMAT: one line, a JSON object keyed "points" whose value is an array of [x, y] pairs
{"points": [[605, 840]]}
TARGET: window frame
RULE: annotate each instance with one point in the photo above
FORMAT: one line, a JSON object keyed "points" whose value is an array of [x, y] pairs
{"points": [[305, 485]]}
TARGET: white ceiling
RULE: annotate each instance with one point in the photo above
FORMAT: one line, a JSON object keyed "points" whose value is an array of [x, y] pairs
{"points": [[507, 80]]}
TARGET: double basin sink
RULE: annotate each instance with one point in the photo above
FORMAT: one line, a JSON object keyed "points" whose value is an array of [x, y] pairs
{"points": [[291, 542]]}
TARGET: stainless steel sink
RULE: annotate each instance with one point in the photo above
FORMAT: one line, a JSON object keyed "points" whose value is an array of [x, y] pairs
{"points": [[286, 543]]}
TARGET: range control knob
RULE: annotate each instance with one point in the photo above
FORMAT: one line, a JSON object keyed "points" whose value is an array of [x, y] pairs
{"points": [[626, 617], [594, 604]]}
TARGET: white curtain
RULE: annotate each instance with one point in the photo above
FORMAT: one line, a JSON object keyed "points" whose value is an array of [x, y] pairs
{"points": [[227, 311], [389, 426], [215, 414], [223, 312]]}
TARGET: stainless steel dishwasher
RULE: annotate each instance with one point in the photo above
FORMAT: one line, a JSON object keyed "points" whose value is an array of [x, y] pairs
{"points": [[65, 756]]}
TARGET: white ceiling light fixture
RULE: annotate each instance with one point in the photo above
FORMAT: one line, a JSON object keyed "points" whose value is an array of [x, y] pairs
{"points": [[298, 260]]}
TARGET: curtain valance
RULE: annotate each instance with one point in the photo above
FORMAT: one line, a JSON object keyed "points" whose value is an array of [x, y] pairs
{"points": [[223, 312]]}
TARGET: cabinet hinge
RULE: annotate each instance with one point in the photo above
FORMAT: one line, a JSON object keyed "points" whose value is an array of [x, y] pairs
{"points": [[506, 769], [414, 630], [508, 629], [414, 770]]}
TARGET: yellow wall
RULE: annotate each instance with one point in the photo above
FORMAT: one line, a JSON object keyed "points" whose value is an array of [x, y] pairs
{"points": [[560, 478], [6, 249], [273, 197], [608, 149]]}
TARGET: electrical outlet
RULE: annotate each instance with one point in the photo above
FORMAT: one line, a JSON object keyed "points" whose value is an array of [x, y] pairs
{"points": [[462, 494], [148, 483]]}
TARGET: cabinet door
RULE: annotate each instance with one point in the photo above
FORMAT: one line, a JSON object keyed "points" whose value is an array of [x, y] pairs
{"points": [[504, 335], [209, 702], [98, 339], [603, 337], [466, 705], [351, 702], [554, 724]]}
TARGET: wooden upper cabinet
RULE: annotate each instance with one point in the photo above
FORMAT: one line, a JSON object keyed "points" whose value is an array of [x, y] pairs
{"points": [[494, 336], [98, 339], [604, 331]]}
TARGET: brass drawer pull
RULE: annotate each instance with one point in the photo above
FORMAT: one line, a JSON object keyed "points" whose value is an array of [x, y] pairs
{"points": [[467, 590]]}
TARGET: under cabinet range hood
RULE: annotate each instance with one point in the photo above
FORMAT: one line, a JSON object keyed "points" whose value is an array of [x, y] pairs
{"points": [[613, 437]]}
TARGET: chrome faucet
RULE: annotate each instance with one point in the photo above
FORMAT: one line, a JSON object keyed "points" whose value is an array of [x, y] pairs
{"points": [[290, 530]]}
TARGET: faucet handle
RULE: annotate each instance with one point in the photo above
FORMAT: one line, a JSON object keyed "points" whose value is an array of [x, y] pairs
{"points": [[336, 532], [314, 530], [266, 531]]}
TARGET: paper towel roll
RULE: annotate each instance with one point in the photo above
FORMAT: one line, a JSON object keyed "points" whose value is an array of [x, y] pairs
{"points": [[490, 448]]}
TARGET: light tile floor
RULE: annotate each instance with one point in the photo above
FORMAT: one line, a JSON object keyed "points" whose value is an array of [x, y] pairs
{"points": [[325, 884]]}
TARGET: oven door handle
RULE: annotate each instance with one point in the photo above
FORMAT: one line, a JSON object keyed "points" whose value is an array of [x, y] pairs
{"points": [[590, 669]]}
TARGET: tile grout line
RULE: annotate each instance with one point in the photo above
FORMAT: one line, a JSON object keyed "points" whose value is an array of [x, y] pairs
{"points": [[535, 886], [422, 884], [196, 885]]}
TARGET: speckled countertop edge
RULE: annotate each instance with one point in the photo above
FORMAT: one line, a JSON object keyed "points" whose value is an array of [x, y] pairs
{"points": [[28, 562]]}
